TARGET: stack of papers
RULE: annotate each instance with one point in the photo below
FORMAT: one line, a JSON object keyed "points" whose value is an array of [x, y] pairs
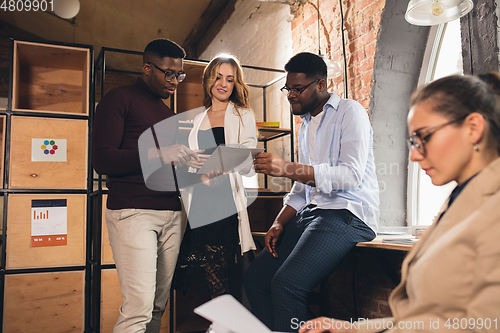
{"points": [[403, 241]]}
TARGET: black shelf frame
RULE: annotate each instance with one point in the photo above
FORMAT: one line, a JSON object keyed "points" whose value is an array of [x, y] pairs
{"points": [[95, 197]]}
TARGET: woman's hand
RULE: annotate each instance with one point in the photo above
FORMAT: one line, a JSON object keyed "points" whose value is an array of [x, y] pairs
{"points": [[328, 325], [272, 237], [212, 179], [198, 160]]}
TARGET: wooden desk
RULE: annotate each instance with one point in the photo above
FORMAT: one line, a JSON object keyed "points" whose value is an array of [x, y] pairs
{"points": [[374, 244], [375, 247], [378, 244]]}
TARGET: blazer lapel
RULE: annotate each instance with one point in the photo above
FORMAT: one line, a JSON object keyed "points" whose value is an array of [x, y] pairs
{"points": [[193, 135], [231, 125], [485, 184], [477, 191]]}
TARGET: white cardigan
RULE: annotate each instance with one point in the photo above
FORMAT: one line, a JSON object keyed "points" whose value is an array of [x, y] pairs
{"points": [[240, 131]]}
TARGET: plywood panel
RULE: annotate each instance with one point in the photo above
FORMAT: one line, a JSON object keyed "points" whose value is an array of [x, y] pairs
{"points": [[190, 92], [189, 96], [25, 173], [20, 254], [111, 299], [44, 302], [50, 78], [41, 88]]}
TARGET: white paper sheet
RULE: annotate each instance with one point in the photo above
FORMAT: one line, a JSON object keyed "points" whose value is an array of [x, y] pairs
{"points": [[229, 316]]}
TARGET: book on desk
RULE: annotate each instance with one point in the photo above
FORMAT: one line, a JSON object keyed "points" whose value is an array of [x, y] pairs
{"points": [[402, 241]]}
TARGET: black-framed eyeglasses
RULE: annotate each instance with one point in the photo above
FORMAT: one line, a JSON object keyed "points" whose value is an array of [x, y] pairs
{"points": [[296, 92], [169, 75], [420, 137]]}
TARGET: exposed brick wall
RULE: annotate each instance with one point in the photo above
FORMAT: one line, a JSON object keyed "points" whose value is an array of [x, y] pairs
{"points": [[362, 24]]}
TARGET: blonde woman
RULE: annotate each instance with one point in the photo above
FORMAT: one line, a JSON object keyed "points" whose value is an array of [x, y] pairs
{"points": [[208, 252]]}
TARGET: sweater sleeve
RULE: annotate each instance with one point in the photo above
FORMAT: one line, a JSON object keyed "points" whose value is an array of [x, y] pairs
{"points": [[108, 158]]}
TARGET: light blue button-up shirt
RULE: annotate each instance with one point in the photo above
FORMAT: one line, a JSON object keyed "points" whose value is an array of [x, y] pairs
{"points": [[344, 167]]}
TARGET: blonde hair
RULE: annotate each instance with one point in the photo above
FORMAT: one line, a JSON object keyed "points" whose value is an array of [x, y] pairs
{"points": [[241, 92]]}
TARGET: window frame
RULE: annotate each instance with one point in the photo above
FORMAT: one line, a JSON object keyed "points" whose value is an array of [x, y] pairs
{"points": [[432, 49]]}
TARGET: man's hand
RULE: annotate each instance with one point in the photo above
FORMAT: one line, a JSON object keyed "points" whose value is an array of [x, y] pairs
{"points": [[197, 162], [178, 154], [272, 237], [270, 164], [327, 325], [274, 165]]}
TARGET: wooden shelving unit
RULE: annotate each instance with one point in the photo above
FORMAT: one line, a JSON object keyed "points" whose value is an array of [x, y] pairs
{"points": [[271, 133], [44, 302], [51, 78], [2, 145], [44, 273], [70, 137]]}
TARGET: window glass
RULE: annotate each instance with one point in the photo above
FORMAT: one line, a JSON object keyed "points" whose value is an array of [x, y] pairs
{"points": [[448, 62]]}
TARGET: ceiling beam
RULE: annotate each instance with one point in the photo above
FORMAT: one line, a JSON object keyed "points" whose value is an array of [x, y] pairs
{"points": [[207, 27]]}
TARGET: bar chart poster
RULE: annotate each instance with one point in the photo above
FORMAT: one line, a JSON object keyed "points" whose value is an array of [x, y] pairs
{"points": [[49, 150], [49, 222]]}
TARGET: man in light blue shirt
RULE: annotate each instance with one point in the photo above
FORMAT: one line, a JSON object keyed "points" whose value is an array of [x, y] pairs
{"points": [[333, 203]]}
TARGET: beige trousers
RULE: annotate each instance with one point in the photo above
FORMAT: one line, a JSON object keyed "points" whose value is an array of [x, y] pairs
{"points": [[145, 245]]}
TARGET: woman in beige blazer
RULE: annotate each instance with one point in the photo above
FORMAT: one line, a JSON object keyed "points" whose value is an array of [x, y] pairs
{"points": [[218, 226], [450, 281]]}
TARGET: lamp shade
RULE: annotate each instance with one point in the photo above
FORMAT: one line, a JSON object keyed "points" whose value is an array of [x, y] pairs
{"points": [[432, 12], [66, 9], [334, 68]]}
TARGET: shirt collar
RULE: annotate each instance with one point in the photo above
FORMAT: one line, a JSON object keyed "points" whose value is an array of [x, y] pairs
{"points": [[332, 103], [456, 191], [454, 194]]}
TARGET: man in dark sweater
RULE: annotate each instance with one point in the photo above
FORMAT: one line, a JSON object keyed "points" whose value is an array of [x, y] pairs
{"points": [[144, 225]]}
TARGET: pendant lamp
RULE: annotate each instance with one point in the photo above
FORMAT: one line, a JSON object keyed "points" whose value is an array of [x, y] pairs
{"points": [[66, 9], [334, 68], [432, 12]]}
